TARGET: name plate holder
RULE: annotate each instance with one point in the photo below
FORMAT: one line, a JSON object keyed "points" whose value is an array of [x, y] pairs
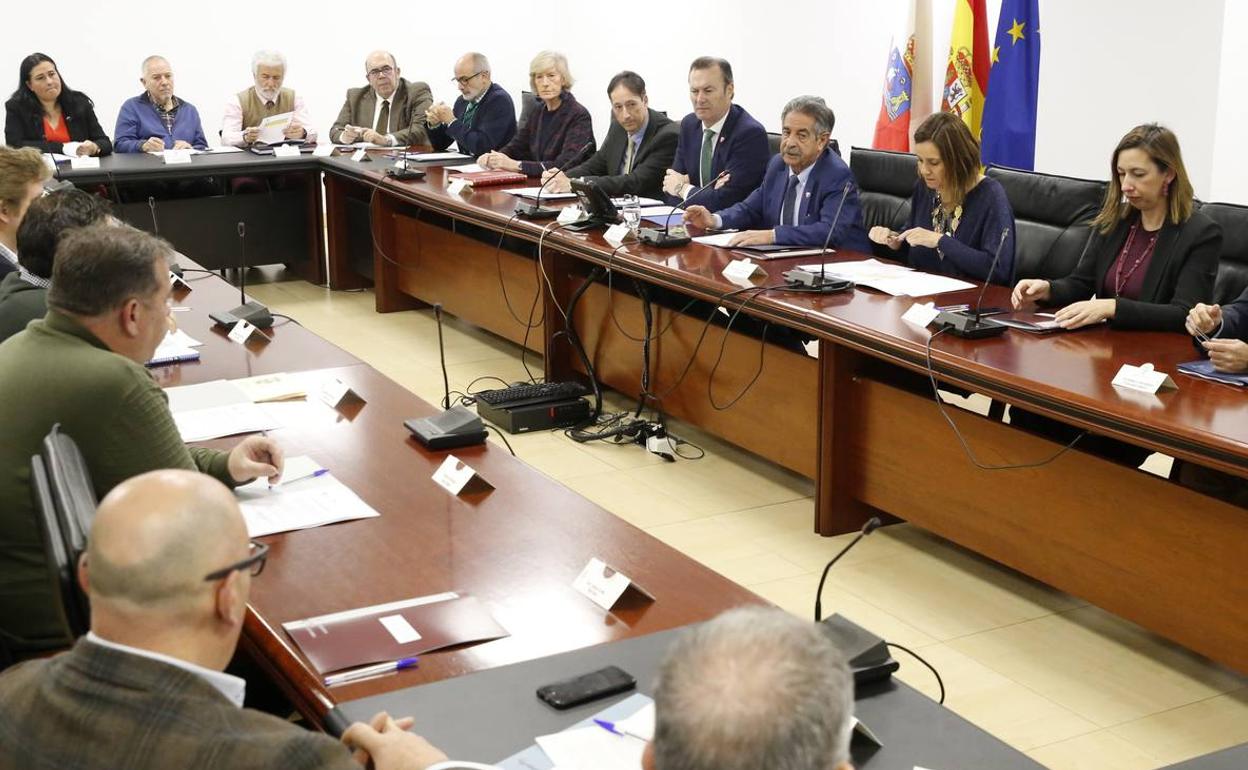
{"points": [[1143, 378], [176, 157], [604, 586], [456, 476]]}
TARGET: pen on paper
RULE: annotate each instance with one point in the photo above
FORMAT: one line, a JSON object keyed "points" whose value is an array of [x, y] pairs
{"points": [[611, 727], [367, 672]]}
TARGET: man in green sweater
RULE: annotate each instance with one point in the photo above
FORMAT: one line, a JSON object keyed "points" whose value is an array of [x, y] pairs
{"points": [[83, 366], [24, 293]]}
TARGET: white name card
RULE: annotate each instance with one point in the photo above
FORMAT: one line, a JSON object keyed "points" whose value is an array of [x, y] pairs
{"points": [[604, 586], [400, 629], [323, 150], [617, 234], [570, 214], [454, 475], [458, 186], [242, 332], [359, 155], [333, 391], [84, 161], [175, 280], [174, 157], [1143, 378], [286, 151], [921, 315], [742, 270]]}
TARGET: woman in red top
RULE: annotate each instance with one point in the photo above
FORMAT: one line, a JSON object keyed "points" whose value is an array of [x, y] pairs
{"points": [[48, 115]]}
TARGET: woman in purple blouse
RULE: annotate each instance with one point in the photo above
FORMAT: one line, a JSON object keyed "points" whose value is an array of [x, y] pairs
{"points": [[559, 133], [1152, 256]]}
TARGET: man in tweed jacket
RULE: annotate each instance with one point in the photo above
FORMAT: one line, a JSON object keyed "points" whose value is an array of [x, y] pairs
{"points": [[168, 570]]}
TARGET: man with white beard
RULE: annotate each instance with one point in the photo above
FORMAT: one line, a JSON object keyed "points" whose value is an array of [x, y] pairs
{"points": [[245, 111]]}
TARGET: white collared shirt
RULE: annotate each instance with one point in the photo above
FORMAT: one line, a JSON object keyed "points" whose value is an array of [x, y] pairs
{"points": [[232, 687], [232, 124]]}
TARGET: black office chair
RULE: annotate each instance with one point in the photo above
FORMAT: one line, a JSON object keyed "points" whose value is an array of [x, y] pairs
{"points": [[1232, 277], [1052, 216], [529, 104], [885, 183], [773, 142], [65, 501]]}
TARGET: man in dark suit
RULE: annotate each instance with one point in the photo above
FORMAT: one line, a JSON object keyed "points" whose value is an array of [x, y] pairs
{"points": [[801, 194], [168, 569], [718, 137], [388, 111], [484, 116], [1228, 329], [639, 147]]}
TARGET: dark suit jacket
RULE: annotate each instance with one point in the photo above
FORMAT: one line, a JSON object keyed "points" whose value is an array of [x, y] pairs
{"points": [[493, 124], [820, 200], [1235, 319], [23, 126], [653, 159], [407, 112], [552, 139], [741, 148], [20, 303], [94, 707], [1180, 274]]}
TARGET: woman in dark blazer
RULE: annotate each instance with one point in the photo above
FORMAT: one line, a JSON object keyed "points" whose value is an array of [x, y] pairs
{"points": [[46, 114], [1152, 256], [559, 133]]}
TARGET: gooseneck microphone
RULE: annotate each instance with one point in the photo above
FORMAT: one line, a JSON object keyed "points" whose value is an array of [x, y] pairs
{"points": [[872, 524], [535, 210], [964, 324], [664, 238], [820, 283], [254, 313]]}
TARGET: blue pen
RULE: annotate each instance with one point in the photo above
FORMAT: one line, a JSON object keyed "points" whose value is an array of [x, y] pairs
{"points": [[315, 474], [611, 728], [366, 672]]}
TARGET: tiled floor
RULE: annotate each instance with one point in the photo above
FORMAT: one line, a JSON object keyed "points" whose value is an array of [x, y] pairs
{"points": [[1070, 684]]}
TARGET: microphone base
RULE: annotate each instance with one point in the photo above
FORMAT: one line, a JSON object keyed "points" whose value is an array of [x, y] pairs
{"points": [[405, 174], [867, 654], [535, 211], [455, 427], [663, 239], [814, 282], [964, 325], [252, 312]]}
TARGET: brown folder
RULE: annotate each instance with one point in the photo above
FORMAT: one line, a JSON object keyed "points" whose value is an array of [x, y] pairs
{"points": [[491, 178], [358, 638]]}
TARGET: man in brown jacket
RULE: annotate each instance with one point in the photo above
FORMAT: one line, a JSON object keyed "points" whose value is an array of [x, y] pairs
{"points": [[388, 111], [168, 570]]}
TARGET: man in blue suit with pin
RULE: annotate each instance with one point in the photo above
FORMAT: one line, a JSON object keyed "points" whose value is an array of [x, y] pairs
{"points": [[801, 192], [721, 147]]}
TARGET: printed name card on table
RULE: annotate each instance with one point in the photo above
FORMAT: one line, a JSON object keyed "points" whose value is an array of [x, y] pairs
{"points": [[1143, 378], [570, 214], [242, 332], [740, 271], [175, 280], [174, 157], [84, 161], [456, 476], [323, 150], [333, 391], [457, 186], [921, 315], [617, 234], [604, 586], [359, 155], [286, 151]]}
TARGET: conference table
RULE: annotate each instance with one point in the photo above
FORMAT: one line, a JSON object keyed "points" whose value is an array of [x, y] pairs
{"points": [[516, 547], [859, 419]]}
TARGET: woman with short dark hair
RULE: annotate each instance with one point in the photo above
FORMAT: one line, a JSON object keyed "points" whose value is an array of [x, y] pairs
{"points": [[48, 115], [957, 215]]}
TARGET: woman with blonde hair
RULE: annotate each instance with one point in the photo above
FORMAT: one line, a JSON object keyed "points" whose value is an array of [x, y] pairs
{"points": [[559, 133], [957, 214], [1152, 258]]}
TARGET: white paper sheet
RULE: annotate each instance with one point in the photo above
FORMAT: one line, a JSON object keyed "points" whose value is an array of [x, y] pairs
{"points": [[718, 239], [592, 748], [547, 195], [468, 168], [224, 149], [312, 502], [897, 280], [273, 127], [645, 202], [271, 387], [436, 156], [215, 409]]}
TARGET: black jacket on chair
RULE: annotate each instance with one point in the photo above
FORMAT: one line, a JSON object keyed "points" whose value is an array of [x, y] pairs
{"points": [[654, 157], [1180, 274], [23, 124]]}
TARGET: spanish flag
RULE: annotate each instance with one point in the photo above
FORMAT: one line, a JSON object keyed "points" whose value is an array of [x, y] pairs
{"points": [[966, 76], [907, 96]]}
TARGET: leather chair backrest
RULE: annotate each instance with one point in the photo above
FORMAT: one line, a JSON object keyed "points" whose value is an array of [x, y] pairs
{"points": [[885, 182], [65, 501], [1052, 216], [1232, 277], [773, 142], [528, 105]]}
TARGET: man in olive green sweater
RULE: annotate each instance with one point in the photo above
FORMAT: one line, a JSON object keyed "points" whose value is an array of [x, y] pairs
{"points": [[83, 366]]}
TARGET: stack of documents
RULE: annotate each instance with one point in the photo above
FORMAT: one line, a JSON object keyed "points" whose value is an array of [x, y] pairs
{"points": [[588, 746], [308, 496], [176, 346], [897, 280], [1204, 370], [215, 409], [271, 387]]}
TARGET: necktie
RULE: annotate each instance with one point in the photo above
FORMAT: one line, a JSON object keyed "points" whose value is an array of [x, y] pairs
{"points": [[628, 156], [789, 208], [270, 104], [469, 111], [704, 166], [383, 118]]}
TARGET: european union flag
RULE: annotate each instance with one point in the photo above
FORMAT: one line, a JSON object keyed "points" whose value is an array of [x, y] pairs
{"points": [[1009, 134]]}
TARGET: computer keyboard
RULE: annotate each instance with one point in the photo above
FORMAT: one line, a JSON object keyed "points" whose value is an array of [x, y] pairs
{"points": [[529, 393]]}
